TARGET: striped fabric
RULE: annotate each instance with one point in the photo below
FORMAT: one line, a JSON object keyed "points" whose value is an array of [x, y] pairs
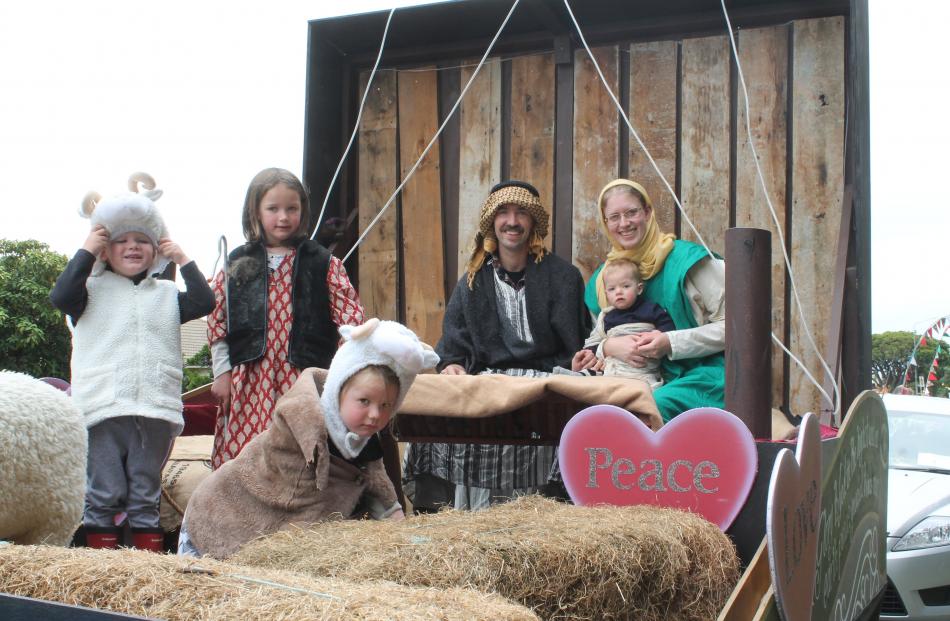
{"points": [[493, 466]]}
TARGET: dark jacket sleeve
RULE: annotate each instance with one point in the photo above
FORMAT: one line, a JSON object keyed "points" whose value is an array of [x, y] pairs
{"points": [[456, 345], [570, 317], [196, 300], [69, 293]]}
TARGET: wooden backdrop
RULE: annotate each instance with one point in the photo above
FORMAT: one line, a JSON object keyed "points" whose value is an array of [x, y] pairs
{"points": [[683, 98]]}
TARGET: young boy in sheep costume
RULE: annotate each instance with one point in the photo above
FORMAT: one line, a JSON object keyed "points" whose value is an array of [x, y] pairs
{"points": [[126, 365], [321, 457], [42, 462]]}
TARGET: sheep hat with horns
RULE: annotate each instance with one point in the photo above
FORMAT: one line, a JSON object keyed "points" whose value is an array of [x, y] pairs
{"points": [[130, 212]]}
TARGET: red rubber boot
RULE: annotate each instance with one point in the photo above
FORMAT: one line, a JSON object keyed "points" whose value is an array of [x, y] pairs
{"points": [[152, 539], [103, 537]]}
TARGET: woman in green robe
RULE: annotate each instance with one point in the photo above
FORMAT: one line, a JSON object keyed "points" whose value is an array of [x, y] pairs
{"points": [[682, 277]]}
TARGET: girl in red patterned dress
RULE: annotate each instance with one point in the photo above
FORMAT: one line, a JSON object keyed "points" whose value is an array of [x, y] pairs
{"points": [[278, 312]]}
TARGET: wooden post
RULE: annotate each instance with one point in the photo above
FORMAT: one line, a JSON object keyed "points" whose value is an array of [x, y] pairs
{"points": [[748, 392]]}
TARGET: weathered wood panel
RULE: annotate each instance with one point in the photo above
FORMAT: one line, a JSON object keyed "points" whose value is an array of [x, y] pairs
{"points": [[423, 261], [653, 114], [595, 153], [479, 150], [763, 54], [817, 187], [532, 127], [378, 178], [705, 139]]}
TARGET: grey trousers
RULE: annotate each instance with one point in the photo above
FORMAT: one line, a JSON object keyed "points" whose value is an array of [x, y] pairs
{"points": [[124, 470]]}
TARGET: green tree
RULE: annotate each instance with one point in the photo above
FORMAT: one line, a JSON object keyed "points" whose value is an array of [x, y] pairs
{"points": [[890, 352], [197, 371], [33, 335]]}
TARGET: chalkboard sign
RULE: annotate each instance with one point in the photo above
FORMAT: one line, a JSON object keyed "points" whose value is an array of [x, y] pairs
{"points": [[852, 535]]}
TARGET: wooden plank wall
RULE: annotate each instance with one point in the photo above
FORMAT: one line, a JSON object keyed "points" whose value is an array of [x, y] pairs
{"points": [[379, 177], [479, 151], [684, 99], [653, 71], [705, 140], [423, 263], [817, 188], [532, 127], [596, 150], [764, 56]]}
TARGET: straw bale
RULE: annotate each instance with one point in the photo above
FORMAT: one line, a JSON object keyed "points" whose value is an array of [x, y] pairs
{"points": [[168, 587], [561, 560]]}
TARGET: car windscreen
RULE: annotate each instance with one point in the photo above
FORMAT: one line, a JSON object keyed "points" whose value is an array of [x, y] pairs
{"points": [[919, 441]]}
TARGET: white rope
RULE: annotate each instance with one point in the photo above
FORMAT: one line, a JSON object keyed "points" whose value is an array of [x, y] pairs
{"points": [[804, 369], [836, 402], [356, 126], [626, 120], [436, 136]]}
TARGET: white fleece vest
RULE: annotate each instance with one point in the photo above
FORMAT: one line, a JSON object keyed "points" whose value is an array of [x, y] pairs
{"points": [[127, 351]]}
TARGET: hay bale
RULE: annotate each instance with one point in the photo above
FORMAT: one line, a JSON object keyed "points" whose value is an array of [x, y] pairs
{"points": [[166, 587], [560, 560]]}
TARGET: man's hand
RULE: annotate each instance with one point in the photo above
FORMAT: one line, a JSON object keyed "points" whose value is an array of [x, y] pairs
{"points": [[173, 251], [625, 348], [454, 369], [221, 390], [654, 344], [97, 241], [585, 359]]}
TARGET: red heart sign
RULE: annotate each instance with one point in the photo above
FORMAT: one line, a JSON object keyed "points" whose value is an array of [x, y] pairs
{"points": [[703, 461]]}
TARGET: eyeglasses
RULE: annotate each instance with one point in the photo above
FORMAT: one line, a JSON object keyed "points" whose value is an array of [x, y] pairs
{"points": [[630, 214]]}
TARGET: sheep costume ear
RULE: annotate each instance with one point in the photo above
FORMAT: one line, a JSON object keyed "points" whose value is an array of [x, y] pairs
{"points": [[385, 343], [132, 211]]}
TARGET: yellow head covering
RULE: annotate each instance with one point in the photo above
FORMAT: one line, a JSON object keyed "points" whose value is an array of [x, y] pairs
{"points": [[649, 254]]}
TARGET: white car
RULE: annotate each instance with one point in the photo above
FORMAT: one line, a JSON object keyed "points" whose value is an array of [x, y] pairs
{"points": [[918, 508]]}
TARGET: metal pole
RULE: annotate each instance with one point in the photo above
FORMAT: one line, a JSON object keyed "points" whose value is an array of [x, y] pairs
{"points": [[748, 392]]}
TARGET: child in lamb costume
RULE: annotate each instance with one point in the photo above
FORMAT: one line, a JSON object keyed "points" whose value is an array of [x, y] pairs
{"points": [[321, 457], [126, 363]]}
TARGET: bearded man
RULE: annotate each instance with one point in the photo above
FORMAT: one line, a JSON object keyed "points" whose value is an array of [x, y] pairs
{"points": [[518, 310]]}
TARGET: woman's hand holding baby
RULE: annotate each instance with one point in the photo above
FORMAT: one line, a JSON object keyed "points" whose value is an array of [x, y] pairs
{"points": [[173, 251], [625, 348], [654, 344]]}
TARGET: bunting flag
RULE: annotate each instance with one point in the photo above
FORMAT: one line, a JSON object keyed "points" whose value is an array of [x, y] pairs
{"points": [[923, 340], [932, 377]]}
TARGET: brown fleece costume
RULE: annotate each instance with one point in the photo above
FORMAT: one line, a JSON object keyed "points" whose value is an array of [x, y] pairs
{"points": [[284, 476]]}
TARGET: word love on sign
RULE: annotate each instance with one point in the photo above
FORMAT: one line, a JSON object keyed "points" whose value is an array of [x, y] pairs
{"points": [[703, 461], [791, 522]]}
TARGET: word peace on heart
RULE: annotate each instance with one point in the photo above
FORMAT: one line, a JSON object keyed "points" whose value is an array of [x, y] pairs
{"points": [[681, 475]]}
